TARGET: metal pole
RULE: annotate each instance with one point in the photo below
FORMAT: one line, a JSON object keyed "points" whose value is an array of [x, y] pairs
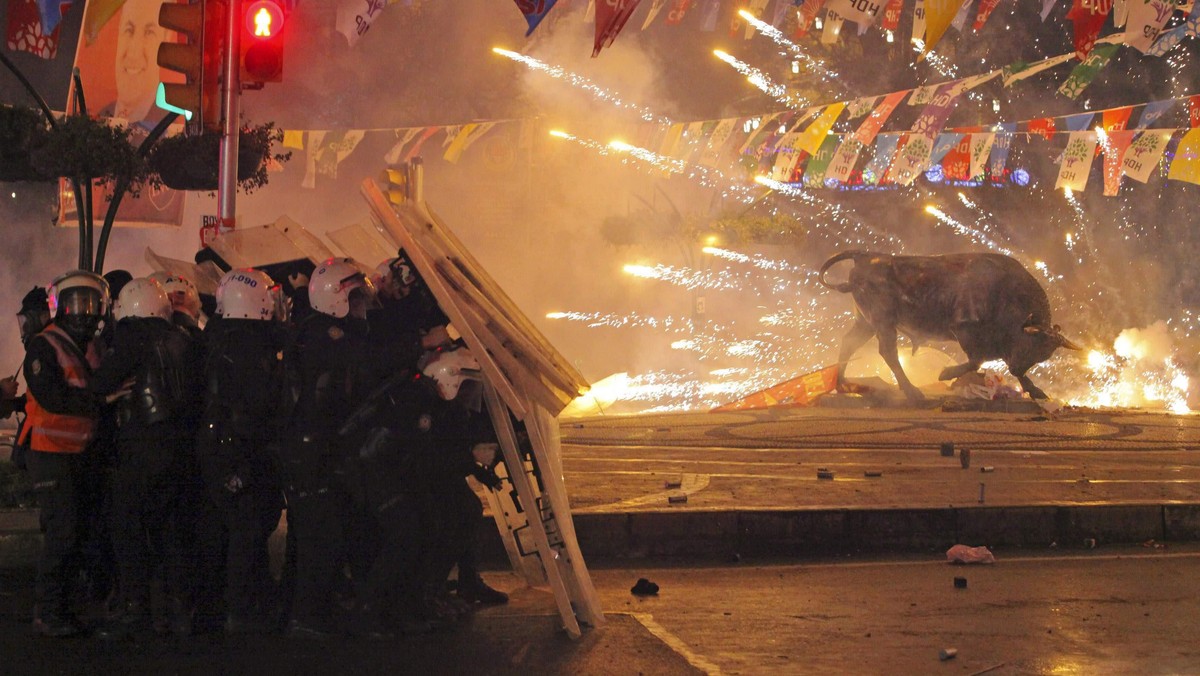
{"points": [[231, 90]]}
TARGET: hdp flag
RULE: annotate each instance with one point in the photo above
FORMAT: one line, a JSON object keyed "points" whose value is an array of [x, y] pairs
{"points": [[938, 15], [1115, 148], [611, 16], [998, 156], [1077, 161], [1087, 71], [27, 30], [534, 11], [1153, 111], [1186, 166], [1088, 16], [1144, 154]]}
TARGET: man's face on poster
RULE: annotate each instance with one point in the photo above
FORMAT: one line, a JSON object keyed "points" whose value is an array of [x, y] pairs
{"points": [[138, 38]]}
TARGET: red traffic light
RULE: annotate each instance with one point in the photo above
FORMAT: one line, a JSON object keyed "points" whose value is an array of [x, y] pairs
{"points": [[264, 19]]}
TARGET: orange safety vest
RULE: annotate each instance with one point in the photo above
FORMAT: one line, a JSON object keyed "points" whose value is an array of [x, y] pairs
{"points": [[59, 432]]}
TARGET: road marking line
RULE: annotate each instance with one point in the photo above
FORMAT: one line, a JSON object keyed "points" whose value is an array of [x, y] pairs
{"points": [[689, 485], [675, 643]]}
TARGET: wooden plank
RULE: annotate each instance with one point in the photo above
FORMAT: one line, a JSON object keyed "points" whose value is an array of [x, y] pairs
{"points": [[527, 496], [383, 211], [547, 449], [502, 300], [508, 519]]}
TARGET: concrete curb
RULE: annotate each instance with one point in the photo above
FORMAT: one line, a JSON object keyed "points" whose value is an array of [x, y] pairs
{"points": [[799, 532]]}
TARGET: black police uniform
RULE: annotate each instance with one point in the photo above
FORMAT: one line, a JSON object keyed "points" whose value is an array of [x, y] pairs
{"points": [[331, 369], [155, 487], [243, 379]]}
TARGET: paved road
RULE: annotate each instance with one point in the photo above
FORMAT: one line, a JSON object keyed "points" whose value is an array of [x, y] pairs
{"points": [[770, 459], [1107, 611]]}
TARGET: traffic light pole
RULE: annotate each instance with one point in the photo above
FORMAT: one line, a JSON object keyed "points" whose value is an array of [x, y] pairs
{"points": [[231, 91]]}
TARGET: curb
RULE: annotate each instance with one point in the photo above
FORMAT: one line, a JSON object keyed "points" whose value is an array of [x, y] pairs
{"points": [[799, 532]]}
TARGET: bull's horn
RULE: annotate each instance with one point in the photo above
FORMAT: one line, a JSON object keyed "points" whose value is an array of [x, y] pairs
{"points": [[1067, 344], [1033, 329]]}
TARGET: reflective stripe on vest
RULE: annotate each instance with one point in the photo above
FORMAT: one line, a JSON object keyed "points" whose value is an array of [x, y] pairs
{"points": [[58, 432]]}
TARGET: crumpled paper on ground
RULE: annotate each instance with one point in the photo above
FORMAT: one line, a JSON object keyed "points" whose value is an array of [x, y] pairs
{"points": [[965, 554]]}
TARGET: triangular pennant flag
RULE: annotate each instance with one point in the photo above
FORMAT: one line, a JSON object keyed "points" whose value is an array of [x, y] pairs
{"points": [[956, 164], [415, 149], [942, 147], [807, 15], [1114, 147], [981, 148], [678, 9], [1146, 20], [1043, 126], [938, 15], [758, 133], [1047, 5], [51, 12], [1077, 161], [336, 147], [354, 17], [814, 136], [1186, 165], [315, 139], [653, 13], [999, 154], [891, 15], [934, 116], [913, 159], [1144, 154], [1153, 111], [844, 160], [709, 15], [814, 174], [1078, 122], [860, 106], [469, 134], [293, 139], [833, 28], [885, 148], [862, 12], [611, 16], [716, 141], [1088, 17], [986, 7], [1194, 108], [403, 136], [787, 156], [1167, 40], [921, 96], [1020, 70], [918, 22], [26, 30], [1116, 119], [1087, 71], [960, 18], [866, 131], [534, 11]]}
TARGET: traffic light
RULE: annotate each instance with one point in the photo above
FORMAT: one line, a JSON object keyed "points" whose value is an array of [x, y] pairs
{"points": [[262, 41], [199, 22], [403, 182]]}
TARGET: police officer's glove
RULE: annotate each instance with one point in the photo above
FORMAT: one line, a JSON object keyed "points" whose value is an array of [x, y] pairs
{"points": [[485, 454], [487, 477]]}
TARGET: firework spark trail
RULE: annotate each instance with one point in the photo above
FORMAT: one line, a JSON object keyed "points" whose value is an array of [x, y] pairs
{"points": [[598, 92], [775, 35], [852, 226], [632, 319], [810, 276], [667, 164], [763, 81], [709, 177], [971, 233]]}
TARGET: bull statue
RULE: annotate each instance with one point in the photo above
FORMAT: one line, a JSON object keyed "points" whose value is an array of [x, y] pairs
{"points": [[989, 303]]}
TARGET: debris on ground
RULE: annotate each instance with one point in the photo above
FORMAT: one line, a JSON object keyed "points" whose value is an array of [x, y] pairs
{"points": [[1153, 545], [965, 554], [644, 587], [947, 449], [947, 654], [823, 473], [960, 583], [675, 499]]}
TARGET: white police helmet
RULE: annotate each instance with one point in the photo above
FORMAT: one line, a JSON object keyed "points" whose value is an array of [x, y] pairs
{"points": [[246, 293], [144, 297], [335, 283]]}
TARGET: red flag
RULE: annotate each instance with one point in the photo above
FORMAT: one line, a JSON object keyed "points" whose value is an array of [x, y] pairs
{"points": [[1194, 110], [611, 16], [678, 9], [808, 13], [1116, 119], [957, 163], [1043, 126], [416, 147], [986, 7], [891, 15], [1088, 16], [1114, 154], [25, 29]]}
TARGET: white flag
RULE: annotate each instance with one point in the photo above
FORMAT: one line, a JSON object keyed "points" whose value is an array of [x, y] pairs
{"points": [[1144, 154], [354, 17], [981, 149], [1077, 161]]}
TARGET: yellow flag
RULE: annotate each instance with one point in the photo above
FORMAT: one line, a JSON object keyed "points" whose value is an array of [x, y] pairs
{"points": [[464, 138], [1186, 166], [938, 15], [671, 140], [812, 138], [293, 139]]}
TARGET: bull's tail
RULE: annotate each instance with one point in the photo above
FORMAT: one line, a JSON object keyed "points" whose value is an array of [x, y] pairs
{"points": [[844, 287]]}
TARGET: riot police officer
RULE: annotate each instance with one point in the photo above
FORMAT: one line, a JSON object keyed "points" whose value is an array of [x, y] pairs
{"points": [[331, 368], [243, 376], [60, 425], [155, 483]]}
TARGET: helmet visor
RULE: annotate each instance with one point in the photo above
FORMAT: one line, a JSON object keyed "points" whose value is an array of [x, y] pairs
{"points": [[80, 301]]}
